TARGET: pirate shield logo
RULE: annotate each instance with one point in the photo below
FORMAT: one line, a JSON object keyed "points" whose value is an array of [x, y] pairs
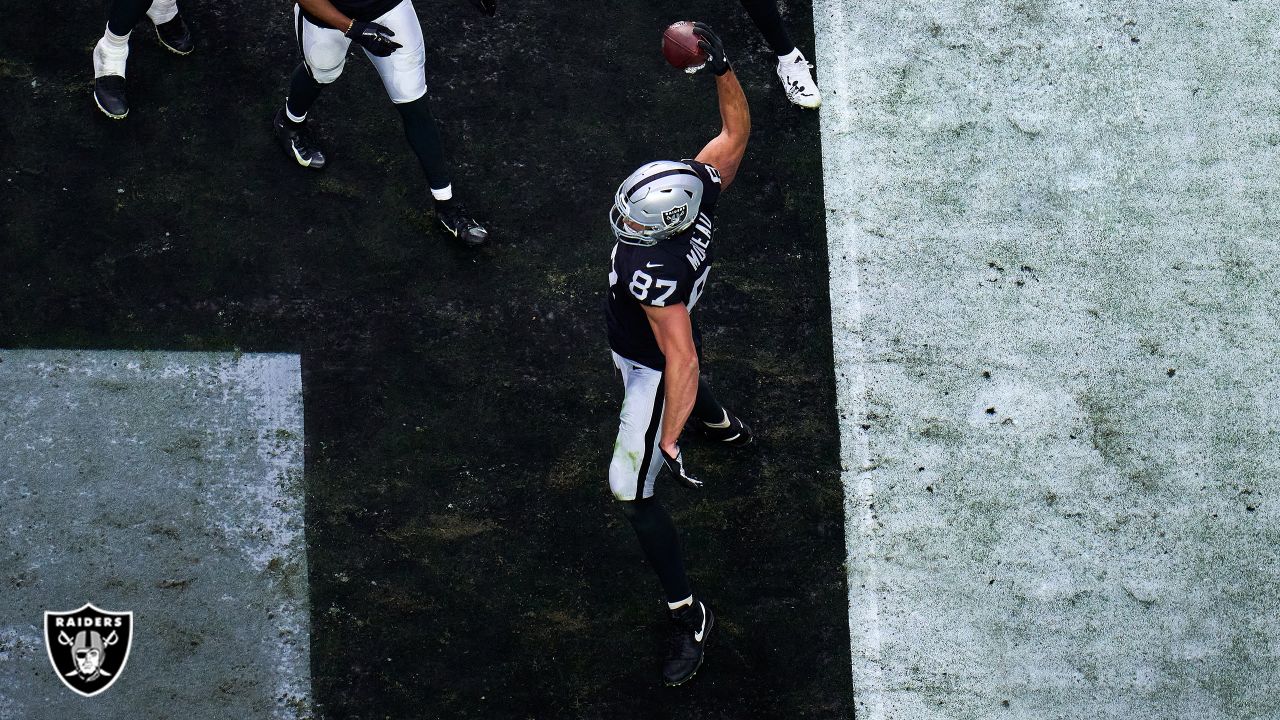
{"points": [[88, 647], [675, 215]]}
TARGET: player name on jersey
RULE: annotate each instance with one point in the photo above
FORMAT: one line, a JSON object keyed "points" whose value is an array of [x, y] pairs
{"points": [[700, 241]]}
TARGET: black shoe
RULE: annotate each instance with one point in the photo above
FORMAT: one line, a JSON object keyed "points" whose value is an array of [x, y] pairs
{"points": [[108, 93], [690, 627], [461, 225], [297, 142], [731, 430], [176, 36]]}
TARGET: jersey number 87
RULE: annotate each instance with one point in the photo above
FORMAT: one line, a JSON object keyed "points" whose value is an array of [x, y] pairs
{"points": [[641, 282]]}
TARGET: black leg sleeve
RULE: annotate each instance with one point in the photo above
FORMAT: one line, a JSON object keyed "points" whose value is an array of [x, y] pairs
{"points": [[424, 138], [705, 406], [764, 13], [124, 14], [303, 91], [661, 544]]}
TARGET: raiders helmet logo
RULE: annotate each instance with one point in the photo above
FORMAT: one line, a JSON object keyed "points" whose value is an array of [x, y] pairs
{"points": [[88, 647], [675, 215]]}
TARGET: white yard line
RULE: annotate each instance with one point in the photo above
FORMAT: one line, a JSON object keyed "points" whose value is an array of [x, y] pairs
{"points": [[836, 76]]}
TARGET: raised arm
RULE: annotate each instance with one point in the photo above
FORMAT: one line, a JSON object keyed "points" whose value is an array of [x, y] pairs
{"points": [[725, 150]]}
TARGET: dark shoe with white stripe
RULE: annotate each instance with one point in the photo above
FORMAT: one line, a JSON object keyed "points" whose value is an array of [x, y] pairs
{"points": [[176, 36], [731, 430], [108, 94], [690, 627], [296, 140], [458, 223]]}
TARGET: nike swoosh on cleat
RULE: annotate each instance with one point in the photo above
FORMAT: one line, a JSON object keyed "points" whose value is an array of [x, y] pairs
{"points": [[698, 635], [296, 154]]}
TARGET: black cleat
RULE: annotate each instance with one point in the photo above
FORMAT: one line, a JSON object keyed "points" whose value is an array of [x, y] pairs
{"points": [[731, 430], [690, 627], [461, 225], [297, 142], [176, 36], [108, 94]]}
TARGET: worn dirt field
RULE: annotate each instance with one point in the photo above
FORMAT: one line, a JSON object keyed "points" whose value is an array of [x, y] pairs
{"points": [[466, 558]]}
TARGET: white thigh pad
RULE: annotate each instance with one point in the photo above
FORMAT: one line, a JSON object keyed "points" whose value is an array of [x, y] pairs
{"points": [[403, 72], [324, 49]]}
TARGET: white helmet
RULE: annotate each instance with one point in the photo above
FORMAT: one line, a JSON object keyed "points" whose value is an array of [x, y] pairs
{"points": [[655, 202]]}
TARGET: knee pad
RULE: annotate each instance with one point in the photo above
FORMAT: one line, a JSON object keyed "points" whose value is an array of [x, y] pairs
{"points": [[629, 477], [406, 79], [625, 479], [622, 479], [325, 59]]}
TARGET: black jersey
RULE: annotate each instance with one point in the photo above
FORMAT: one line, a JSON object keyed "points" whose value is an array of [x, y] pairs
{"points": [[669, 272], [366, 10]]}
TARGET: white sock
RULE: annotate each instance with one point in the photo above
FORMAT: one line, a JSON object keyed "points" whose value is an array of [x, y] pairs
{"points": [[444, 193], [683, 603], [290, 115], [790, 57], [111, 54], [162, 11], [116, 42]]}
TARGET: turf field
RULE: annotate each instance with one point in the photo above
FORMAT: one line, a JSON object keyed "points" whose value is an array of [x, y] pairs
{"points": [[466, 558]]}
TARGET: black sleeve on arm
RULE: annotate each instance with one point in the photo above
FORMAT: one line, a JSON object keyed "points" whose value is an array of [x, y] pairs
{"points": [[710, 184]]}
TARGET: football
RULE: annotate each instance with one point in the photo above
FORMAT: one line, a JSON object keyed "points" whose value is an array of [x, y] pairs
{"points": [[680, 46]]}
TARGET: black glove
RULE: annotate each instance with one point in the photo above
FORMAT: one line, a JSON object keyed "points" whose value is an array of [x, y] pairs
{"points": [[488, 7], [676, 466], [711, 45], [373, 37]]}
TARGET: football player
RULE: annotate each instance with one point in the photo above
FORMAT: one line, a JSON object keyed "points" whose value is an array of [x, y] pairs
{"points": [[662, 218], [111, 54], [389, 33], [793, 68]]}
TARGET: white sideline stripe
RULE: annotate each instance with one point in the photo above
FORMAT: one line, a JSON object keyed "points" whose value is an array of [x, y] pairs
{"points": [[277, 381], [836, 67]]}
